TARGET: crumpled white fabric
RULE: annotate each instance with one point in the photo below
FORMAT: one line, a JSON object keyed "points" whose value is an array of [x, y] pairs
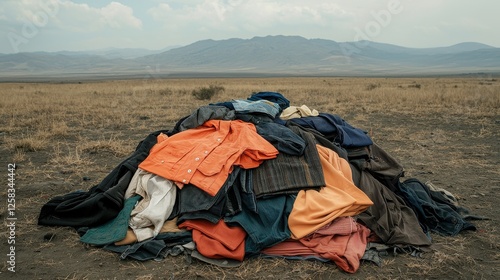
{"points": [[157, 203]]}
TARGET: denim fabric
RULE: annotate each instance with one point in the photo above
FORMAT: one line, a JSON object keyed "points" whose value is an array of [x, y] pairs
{"points": [[272, 96], [444, 196], [142, 251], [194, 203], [175, 238], [432, 214], [267, 227], [243, 195], [336, 129], [260, 106], [280, 136], [152, 248]]}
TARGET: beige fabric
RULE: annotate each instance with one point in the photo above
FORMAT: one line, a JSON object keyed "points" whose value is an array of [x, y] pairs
{"points": [[158, 201], [293, 112]]}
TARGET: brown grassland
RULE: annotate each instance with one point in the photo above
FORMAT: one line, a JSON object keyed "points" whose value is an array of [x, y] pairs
{"points": [[68, 136]]}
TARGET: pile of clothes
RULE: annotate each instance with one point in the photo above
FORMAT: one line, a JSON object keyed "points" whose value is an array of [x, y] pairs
{"points": [[258, 178]]}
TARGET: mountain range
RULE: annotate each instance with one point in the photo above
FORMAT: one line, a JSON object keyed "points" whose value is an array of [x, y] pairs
{"points": [[270, 55]]}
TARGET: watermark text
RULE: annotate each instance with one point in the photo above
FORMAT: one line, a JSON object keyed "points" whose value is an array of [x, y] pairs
{"points": [[11, 217]]}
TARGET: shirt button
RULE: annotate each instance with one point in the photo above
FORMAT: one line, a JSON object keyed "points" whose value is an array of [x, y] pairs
{"points": [[189, 170], [162, 161], [197, 159], [184, 180], [218, 139], [206, 152]]}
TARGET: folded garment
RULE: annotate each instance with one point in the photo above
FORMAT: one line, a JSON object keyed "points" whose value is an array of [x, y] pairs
{"points": [[217, 240], [339, 197]]}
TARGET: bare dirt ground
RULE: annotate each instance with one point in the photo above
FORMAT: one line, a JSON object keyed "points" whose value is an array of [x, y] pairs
{"points": [[459, 152]]}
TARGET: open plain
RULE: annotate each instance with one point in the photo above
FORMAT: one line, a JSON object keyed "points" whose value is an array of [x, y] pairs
{"points": [[67, 136]]}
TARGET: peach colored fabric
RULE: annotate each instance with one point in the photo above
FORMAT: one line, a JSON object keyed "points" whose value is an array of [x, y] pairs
{"points": [[313, 209], [171, 226], [168, 226], [217, 241], [343, 241], [204, 156], [130, 238]]}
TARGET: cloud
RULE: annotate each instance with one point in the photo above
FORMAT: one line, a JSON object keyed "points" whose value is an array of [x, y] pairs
{"points": [[159, 12], [69, 15], [117, 15], [247, 16], [3, 16], [82, 16], [63, 24]]}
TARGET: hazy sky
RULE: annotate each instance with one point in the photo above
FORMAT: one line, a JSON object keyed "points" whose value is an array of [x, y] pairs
{"points": [[54, 25]]}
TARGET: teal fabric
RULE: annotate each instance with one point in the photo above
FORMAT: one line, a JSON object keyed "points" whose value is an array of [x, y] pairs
{"points": [[114, 230], [269, 226]]}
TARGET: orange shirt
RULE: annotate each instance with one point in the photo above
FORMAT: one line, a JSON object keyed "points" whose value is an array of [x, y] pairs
{"points": [[204, 156]]}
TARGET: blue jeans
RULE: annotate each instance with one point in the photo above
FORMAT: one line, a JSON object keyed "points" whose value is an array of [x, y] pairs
{"points": [[432, 213]]}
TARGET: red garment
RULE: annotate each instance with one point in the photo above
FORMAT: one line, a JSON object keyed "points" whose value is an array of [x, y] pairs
{"points": [[204, 156], [217, 241], [343, 241]]}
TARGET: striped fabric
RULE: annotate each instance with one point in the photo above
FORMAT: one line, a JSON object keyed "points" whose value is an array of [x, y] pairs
{"points": [[287, 174]]}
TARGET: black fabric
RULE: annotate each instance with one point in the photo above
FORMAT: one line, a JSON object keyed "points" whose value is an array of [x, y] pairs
{"points": [[389, 217], [377, 174], [103, 201], [382, 166]]}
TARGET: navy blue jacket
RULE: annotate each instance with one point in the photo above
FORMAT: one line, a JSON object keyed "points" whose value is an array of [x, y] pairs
{"points": [[336, 130]]}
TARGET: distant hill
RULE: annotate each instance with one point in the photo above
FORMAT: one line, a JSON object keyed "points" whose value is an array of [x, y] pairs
{"points": [[117, 52], [270, 55]]}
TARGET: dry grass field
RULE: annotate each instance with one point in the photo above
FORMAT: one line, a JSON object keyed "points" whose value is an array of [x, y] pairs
{"points": [[64, 137]]}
